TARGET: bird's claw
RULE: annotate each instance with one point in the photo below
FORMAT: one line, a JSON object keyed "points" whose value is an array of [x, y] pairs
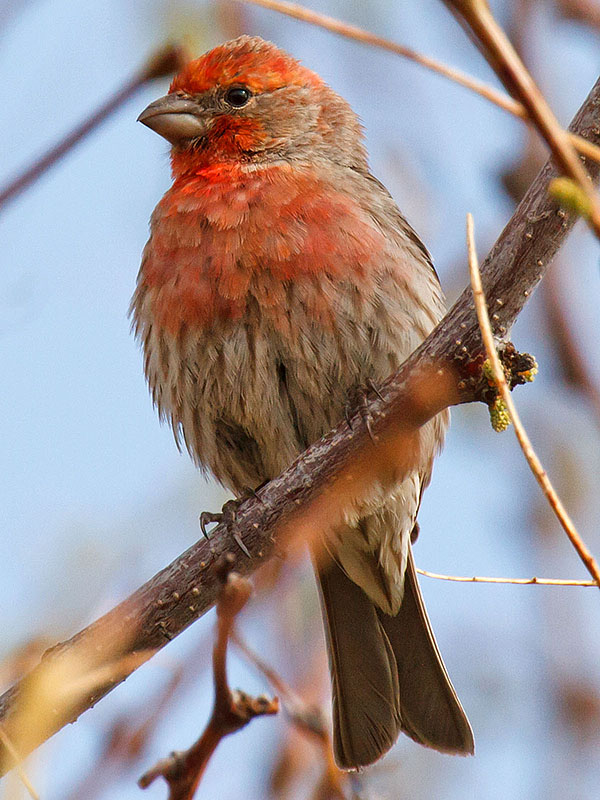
{"points": [[240, 543], [207, 518], [360, 401], [226, 515], [366, 415], [372, 386]]}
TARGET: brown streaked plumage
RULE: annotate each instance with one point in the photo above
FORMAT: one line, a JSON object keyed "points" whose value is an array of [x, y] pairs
{"points": [[279, 278]]}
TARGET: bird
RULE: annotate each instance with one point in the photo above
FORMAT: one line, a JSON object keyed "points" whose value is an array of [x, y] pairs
{"points": [[279, 280]]}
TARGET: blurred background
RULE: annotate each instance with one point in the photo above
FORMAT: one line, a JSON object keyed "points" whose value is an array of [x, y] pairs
{"points": [[95, 498]]}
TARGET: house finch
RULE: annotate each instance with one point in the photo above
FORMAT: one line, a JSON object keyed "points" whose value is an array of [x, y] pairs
{"points": [[279, 279]]}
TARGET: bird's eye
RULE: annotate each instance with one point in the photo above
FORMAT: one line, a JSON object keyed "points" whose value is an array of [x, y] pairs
{"points": [[237, 96]]}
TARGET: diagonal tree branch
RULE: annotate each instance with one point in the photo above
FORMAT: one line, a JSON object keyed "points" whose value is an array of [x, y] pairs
{"points": [[335, 473]]}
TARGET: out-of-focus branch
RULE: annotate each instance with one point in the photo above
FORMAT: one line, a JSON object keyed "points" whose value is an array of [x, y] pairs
{"points": [[531, 456], [476, 17], [232, 711], [163, 62], [500, 99], [302, 714], [568, 353], [585, 11], [336, 473], [307, 718]]}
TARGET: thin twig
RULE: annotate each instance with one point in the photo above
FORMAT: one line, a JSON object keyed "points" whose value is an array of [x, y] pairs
{"points": [[528, 451], [23, 777], [499, 98], [518, 581], [504, 60], [163, 62], [232, 711]]}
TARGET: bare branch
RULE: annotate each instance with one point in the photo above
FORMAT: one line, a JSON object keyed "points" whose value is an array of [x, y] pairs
{"points": [[532, 459], [316, 491]]}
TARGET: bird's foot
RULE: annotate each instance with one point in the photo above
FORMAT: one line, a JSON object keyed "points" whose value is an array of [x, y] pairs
{"points": [[226, 515]]}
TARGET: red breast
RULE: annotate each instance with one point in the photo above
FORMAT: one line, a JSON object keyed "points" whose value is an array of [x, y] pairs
{"points": [[230, 235]]}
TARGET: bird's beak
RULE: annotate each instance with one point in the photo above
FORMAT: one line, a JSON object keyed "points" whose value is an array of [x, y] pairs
{"points": [[175, 118]]}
